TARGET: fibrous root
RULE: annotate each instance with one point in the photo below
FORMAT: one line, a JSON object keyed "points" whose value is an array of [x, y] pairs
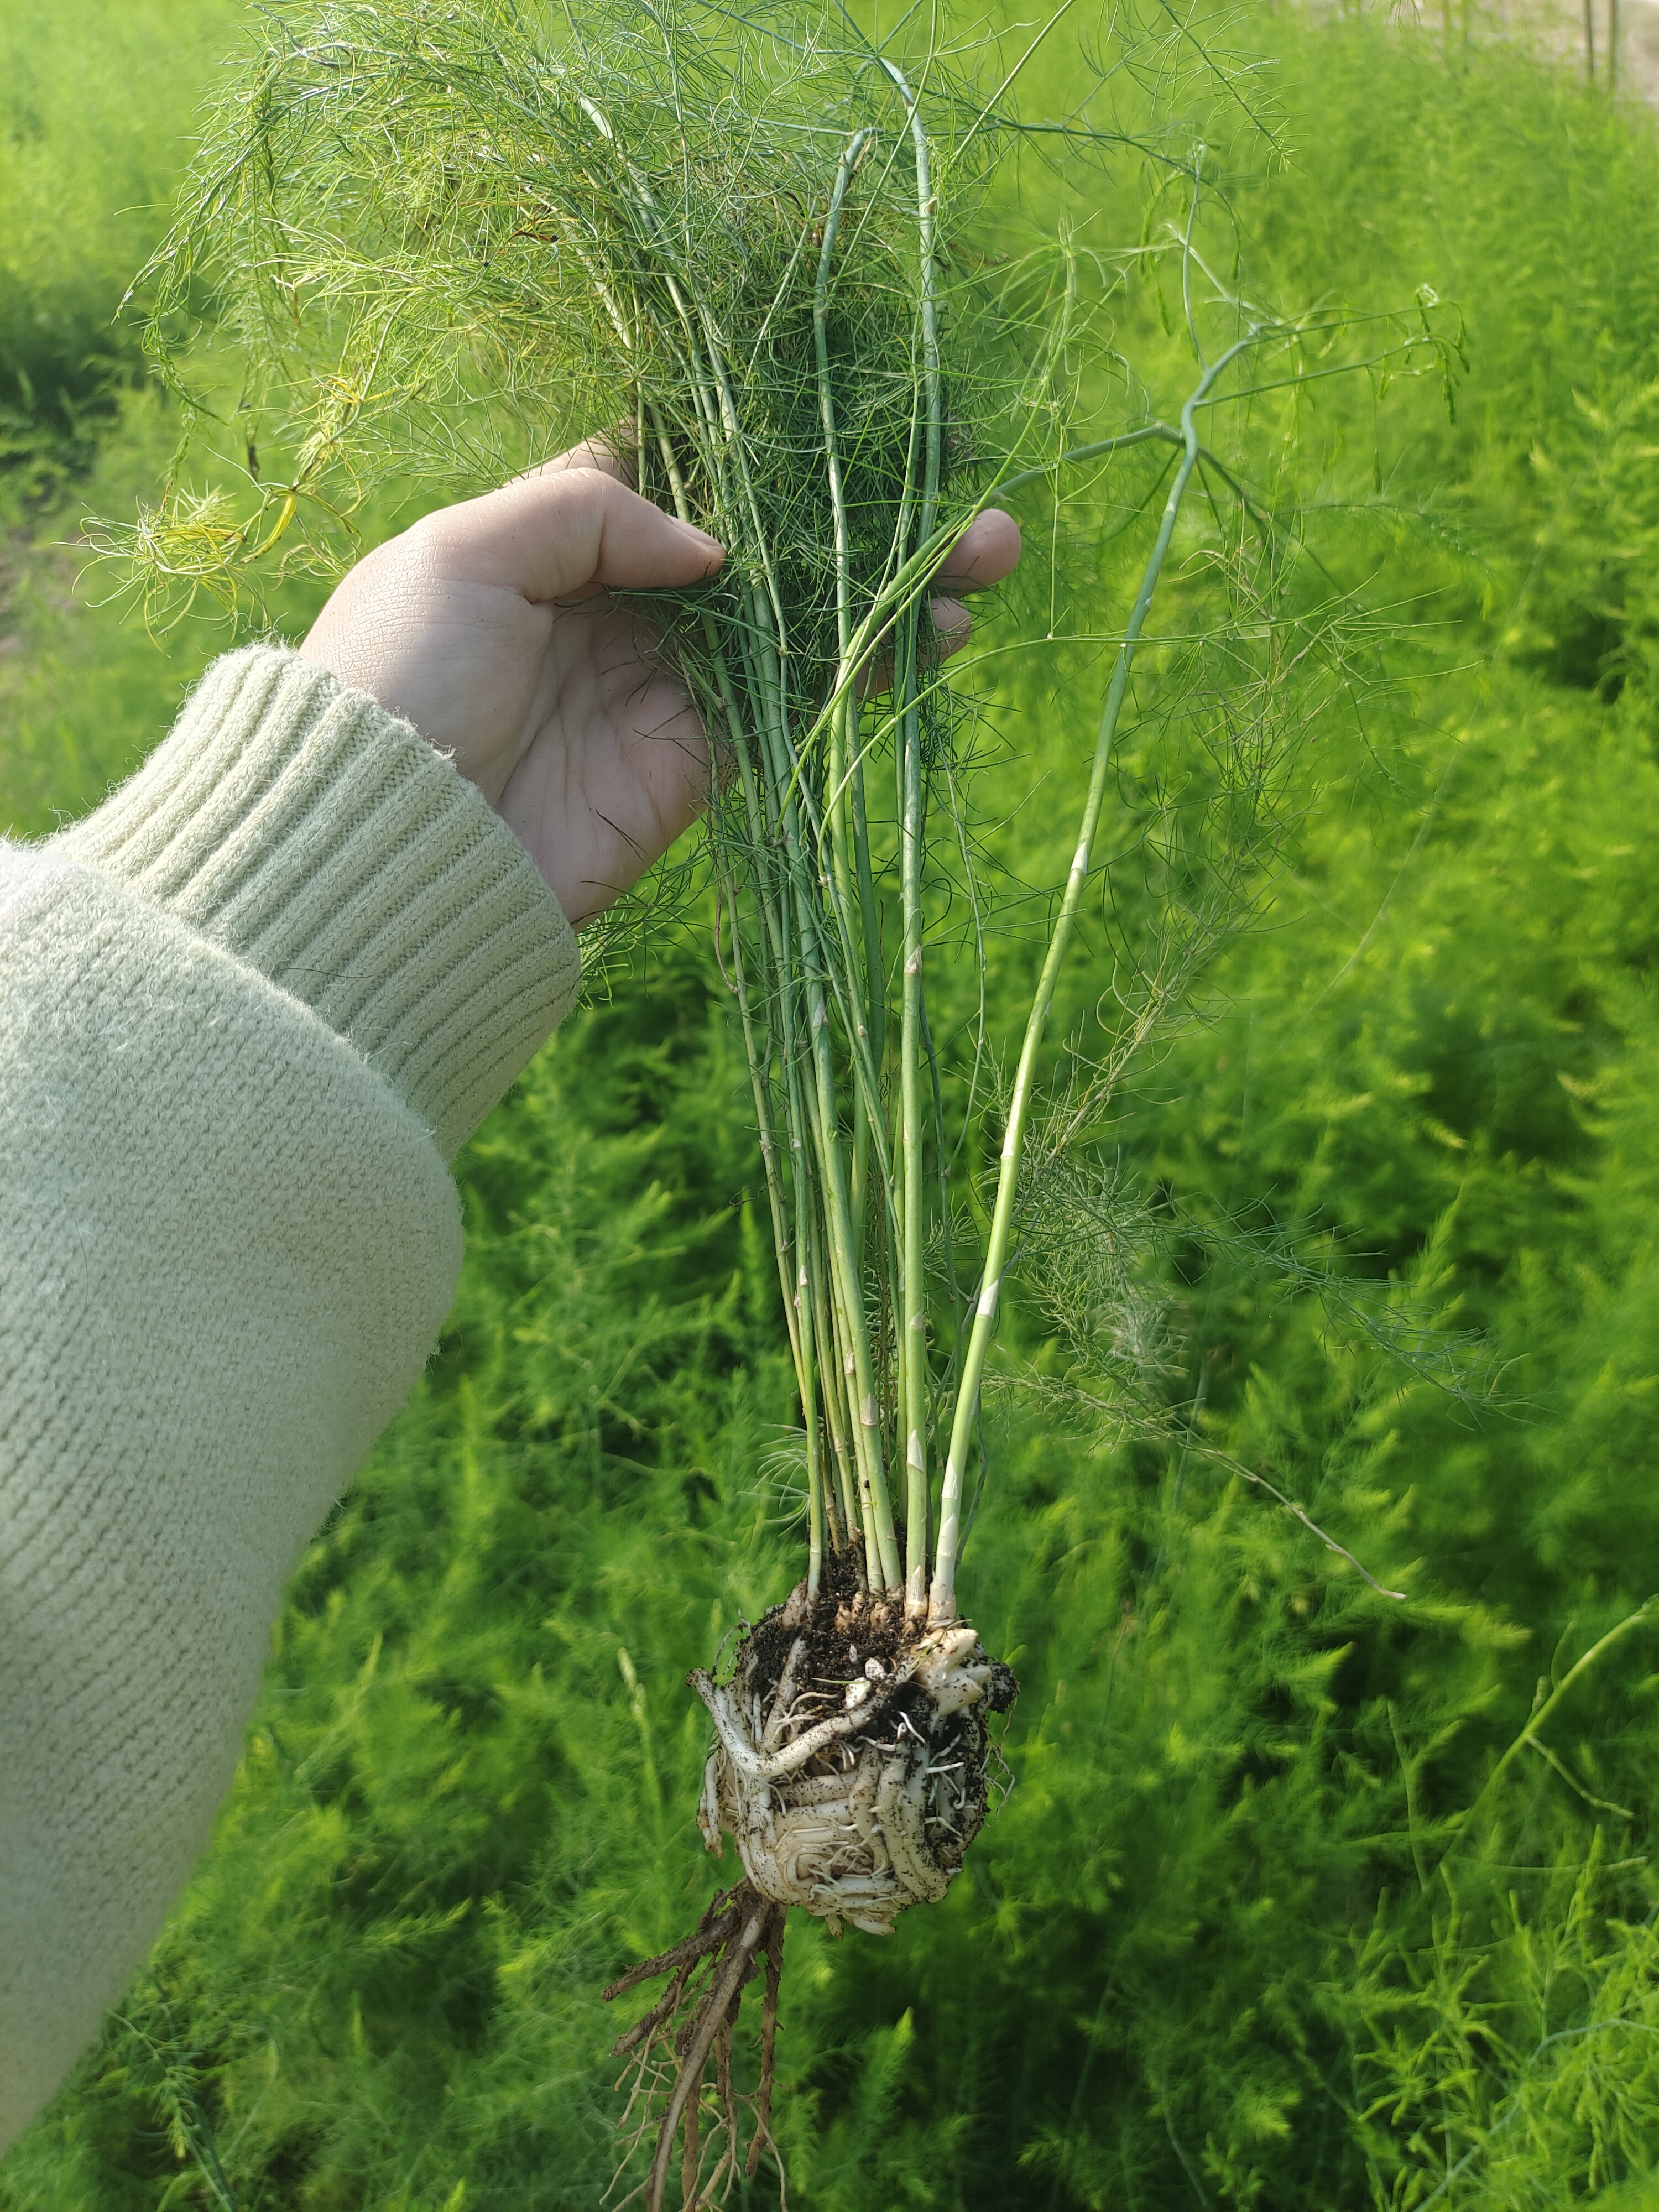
{"points": [[850, 1766]]}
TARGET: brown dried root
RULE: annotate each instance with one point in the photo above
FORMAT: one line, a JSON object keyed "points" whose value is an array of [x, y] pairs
{"points": [[692, 2021], [849, 1763]]}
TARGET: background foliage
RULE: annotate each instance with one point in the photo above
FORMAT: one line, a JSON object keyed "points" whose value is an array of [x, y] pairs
{"points": [[1233, 1941]]}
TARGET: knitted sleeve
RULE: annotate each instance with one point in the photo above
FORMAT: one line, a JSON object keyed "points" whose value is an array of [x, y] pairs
{"points": [[248, 1010]]}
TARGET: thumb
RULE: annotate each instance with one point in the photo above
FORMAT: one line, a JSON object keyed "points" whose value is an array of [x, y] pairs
{"points": [[556, 535]]}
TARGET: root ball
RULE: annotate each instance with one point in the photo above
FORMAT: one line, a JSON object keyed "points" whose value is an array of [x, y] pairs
{"points": [[851, 1755]]}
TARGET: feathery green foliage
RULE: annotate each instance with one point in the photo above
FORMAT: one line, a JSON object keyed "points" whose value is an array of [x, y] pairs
{"points": [[432, 232]]}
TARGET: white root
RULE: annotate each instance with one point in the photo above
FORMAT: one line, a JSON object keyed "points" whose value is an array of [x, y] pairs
{"points": [[708, 1806], [783, 1704], [855, 1816], [898, 1807]]}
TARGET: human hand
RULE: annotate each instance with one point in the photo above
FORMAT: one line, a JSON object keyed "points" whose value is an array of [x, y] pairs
{"points": [[491, 627]]}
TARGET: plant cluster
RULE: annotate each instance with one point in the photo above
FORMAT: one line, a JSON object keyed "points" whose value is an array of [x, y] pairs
{"points": [[745, 242]]}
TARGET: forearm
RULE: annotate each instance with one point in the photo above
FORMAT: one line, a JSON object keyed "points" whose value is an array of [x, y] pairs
{"points": [[247, 1010]]}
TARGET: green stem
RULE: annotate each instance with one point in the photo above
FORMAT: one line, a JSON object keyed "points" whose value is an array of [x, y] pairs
{"points": [[942, 1603], [844, 730], [790, 1251], [846, 1277], [912, 1319], [911, 579], [846, 1272], [795, 1318], [830, 1362], [801, 1303], [1163, 433], [1644, 1612]]}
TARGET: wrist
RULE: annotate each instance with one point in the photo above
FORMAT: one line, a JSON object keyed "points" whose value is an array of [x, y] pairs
{"points": [[294, 822]]}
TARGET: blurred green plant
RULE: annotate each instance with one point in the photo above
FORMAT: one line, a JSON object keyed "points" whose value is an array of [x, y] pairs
{"points": [[96, 103], [1234, 1939]]}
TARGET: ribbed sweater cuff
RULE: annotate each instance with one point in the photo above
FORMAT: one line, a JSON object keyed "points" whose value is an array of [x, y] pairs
{"points": [[296, 823]]}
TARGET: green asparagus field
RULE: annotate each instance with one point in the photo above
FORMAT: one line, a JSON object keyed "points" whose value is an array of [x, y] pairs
{"points": [[1326, 1878]]}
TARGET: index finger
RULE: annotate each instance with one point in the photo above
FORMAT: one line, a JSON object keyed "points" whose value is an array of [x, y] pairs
{"points": [[609, 451], [559, 533]]}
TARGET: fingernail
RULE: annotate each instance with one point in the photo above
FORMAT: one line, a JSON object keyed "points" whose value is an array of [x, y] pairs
{"points": [[702, 537]]}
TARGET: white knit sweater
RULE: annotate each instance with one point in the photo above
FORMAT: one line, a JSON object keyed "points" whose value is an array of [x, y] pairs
{"points": [[249, 1009]]}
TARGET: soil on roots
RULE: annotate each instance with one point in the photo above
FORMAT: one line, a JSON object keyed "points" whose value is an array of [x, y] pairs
{"points": [[850, 1756], [850, 1766]]}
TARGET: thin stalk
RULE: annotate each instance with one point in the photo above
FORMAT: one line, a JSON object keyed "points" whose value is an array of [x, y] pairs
{"points": [[759, 1061], [846, 986], [803, 1145], [912, 1346], [942, 1603], [796, 798], [874, 967], [855, 1367], [1466, 1820], [846, 1270], [942, 1163], [1160, 433], [800, 1335], [829, 1364], [845, 1367], [794, 1271], [844, 730], [790, 1252], [733, 435], [816, 1498], [913, 575], [846, 1277], [912, 1319]]}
